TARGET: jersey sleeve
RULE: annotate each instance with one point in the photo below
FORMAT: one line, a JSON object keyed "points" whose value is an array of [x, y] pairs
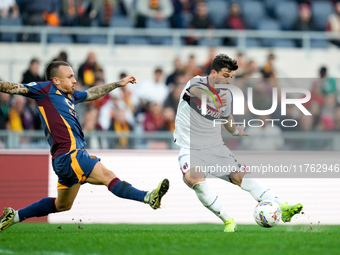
{"points": [[79, 96], [37, 90], [195, 81]]}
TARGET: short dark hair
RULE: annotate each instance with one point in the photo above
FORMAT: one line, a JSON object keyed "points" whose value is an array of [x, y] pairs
{"points": [[224, 61], [158, 70], [52, 69], [34, 60], [323, 72]]}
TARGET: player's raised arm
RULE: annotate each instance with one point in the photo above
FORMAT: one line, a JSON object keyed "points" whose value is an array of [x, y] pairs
{"points": [[13, 88], [99, 91], [233, 129]]}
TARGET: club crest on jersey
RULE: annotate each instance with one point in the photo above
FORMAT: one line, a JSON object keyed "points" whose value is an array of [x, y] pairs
{"points": [[69, 103]]}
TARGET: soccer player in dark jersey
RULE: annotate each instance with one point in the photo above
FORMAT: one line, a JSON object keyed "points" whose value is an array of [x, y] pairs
{"points": [[56, 99]]}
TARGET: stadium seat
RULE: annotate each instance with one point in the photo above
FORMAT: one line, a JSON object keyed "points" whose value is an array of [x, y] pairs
{"points": [[155, 24], [120, 39], [213, 42], [121, 21], [218, 11], [83, 38], [9, 37], [252, 11], [321, 11], [319, 43], [138, 40], [161, 40], [252, 43], [59, 38], [268, 24], [98, 39], [283, 43], [287, 12], [167, 41]]}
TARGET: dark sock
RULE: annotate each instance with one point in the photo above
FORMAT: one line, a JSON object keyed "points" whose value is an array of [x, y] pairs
{"points": [[38, 209], [125, 190]]}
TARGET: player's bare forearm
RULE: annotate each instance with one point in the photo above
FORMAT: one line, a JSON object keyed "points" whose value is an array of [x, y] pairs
{"points": [[13, 88], [99, 91]]}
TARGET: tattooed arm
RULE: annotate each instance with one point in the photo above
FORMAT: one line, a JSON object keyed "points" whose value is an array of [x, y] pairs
{"points": [[99, 91], [13, 88]]}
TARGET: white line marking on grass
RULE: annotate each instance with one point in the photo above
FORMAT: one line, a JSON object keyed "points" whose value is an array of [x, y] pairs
{"points": [[2, 251], [56, 253]]}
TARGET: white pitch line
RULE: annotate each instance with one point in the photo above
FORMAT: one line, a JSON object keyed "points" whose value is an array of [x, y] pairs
{"points": [[2, 251], [55, 253]]}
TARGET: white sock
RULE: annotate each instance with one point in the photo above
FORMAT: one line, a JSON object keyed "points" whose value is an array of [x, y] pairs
{"points": [[16, 217], [210, 200], [147, 197], [259, 191]]}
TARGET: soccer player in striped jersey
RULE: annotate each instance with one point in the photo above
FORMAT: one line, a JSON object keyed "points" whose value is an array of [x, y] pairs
{"points": [[201, 144], [56, 99]]}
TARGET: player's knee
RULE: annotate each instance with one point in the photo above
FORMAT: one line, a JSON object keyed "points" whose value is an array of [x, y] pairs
{"points": [[236, 178], [189, 181], [109, 175], [192, 180], [63, 206], [236, 181]]}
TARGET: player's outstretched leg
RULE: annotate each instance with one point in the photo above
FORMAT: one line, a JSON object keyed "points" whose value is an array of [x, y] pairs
{"points": [[7, 218], [288, 211], [211, 201], [153, 198], [40, 208], [230, 225], [259, 191], [125, 190]]}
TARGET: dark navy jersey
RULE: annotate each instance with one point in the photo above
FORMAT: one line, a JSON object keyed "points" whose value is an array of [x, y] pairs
{"points": [[58, 116]]}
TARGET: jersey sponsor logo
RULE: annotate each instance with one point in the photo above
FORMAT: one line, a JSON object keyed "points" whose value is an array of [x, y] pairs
{"points": [[73, 113], [200, 105], [195, 104]]}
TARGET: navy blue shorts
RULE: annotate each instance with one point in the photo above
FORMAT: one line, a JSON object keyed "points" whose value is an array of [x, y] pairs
{"points": [[73, 167]]}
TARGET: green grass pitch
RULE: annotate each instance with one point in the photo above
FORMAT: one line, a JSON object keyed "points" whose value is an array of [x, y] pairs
{"points": [[85, 239]]}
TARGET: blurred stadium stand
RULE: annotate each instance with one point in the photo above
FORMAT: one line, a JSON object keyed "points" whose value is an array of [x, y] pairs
{"points": [[269, 24], [286, 13], [281, 13], [321, 10]]}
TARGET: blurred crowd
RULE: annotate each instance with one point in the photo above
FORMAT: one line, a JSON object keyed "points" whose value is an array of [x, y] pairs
{"points": [[151, 106], [299, 15]]}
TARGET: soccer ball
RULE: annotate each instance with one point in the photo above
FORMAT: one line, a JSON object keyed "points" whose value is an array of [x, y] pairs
{"points": [[267, 213]]}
